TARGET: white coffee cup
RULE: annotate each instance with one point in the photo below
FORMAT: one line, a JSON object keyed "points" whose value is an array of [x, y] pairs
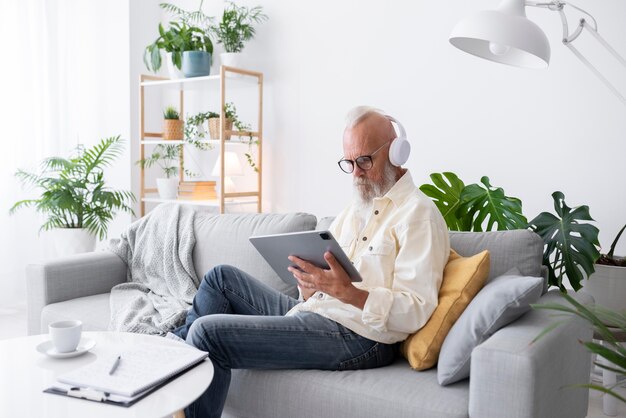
{"points": [[65, 335]]}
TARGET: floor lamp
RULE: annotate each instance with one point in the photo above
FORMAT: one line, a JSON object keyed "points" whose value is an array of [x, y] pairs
{"points": [[507, 36]]}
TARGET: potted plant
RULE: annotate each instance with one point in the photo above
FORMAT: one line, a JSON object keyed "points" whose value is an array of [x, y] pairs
{"points": [[172, 124], [195, 125], [168, 159], [235, 29], [169, 41], [571, 243], [74, 198], [188, 33], [607, 284], [230, 111], [197, 50]]}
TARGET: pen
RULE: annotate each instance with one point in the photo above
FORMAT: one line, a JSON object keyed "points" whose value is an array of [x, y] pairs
{"points": [[117, 363]]}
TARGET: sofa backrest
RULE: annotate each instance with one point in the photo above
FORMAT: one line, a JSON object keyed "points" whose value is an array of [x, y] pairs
{"points": [[223, 239], [519, 248]]}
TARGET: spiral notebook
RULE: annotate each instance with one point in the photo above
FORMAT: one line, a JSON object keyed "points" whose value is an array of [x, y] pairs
{"points": [[141, 368]]}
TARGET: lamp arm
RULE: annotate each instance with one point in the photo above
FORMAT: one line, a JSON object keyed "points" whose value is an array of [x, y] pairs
{"points": [[558, 6]]}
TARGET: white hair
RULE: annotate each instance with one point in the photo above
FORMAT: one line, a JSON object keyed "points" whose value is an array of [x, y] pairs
{"points": [[358, 113]]}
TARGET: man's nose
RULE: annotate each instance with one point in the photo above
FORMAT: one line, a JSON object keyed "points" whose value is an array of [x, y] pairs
{"points": [[358, 172]]}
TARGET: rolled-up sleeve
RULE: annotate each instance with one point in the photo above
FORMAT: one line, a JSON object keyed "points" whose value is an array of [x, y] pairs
{"points": [[411, 298]]}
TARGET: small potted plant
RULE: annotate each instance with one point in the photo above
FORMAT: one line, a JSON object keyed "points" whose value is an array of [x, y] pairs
{"points": [[74, 197], [235, 29], [231, 119], [195, 125], [167, 158], [172, 124]]}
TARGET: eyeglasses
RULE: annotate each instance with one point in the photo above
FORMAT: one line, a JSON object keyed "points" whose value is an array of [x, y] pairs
{"points": [[364, 162]]}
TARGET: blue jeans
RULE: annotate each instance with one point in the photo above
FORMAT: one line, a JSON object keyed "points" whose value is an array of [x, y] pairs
{"points": [[240, 322]]}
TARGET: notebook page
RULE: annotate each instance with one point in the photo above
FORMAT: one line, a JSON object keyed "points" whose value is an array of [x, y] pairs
{"points": [[141, 367]]}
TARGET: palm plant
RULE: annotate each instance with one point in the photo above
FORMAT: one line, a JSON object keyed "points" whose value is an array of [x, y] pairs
{"points": [[604, 322], [236, 26], [74, 194]]}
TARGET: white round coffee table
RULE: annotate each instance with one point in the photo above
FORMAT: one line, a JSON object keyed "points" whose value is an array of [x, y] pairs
{"points": [[25, 373]]}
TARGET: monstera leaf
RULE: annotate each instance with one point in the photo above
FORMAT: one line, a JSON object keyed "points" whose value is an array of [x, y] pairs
{"points": [[490, 204], [447, 197], [571, 247]]}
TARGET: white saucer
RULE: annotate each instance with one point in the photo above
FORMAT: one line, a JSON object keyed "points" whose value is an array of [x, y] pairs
{"points": [[48, 349]]}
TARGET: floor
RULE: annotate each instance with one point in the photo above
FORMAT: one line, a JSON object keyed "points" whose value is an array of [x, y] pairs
{"points": [[13, 324]]}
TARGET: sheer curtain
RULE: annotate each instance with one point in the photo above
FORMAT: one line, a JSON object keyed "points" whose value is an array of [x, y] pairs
{"points": [[54, 95]]}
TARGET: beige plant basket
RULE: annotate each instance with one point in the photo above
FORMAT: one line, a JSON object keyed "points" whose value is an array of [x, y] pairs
{"points": [[214, 128], [173, 129]]}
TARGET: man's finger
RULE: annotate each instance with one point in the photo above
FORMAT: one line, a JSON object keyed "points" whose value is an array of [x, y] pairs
{"points": [[304, 265], [332, 261]]}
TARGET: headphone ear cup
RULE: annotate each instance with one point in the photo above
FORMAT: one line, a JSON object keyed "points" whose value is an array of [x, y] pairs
{"points": [[399, 151]]}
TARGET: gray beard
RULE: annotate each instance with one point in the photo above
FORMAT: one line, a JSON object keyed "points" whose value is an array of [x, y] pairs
{"points": [[365, 190]]}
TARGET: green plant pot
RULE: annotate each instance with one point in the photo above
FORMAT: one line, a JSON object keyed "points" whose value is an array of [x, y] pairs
{"points": [[196, 63]]}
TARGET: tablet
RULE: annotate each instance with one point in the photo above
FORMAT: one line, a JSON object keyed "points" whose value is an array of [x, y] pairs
{"points": [[308, 245]]}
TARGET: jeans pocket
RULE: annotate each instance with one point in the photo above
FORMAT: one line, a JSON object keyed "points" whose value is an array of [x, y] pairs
{"points": [[367, 360]]}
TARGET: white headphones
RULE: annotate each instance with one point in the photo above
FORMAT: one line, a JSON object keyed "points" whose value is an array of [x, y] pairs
{"points": [[400, 147]]}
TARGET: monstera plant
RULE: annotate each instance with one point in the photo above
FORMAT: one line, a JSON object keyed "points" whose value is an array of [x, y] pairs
{"points": [[571, 243]]}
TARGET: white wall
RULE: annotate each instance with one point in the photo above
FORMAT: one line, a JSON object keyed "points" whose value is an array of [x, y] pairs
{"points": [[531, 131]]}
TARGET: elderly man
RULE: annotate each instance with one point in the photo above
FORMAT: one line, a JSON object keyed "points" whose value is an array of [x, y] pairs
{"points": [[396, 238]]}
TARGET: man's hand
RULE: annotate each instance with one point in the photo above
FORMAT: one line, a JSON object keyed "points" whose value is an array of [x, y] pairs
{"points": [[334, 282]]}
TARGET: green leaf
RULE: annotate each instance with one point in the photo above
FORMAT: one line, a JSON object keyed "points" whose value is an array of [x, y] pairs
{"points": [[571, 247], [489, 204], [447, 197]]}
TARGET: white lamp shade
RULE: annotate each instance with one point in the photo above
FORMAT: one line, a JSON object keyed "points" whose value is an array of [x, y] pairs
{"points": [[504, 35], [233, 165]]}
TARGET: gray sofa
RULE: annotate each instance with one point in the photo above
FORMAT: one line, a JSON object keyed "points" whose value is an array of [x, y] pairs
{"points": [[510, 377]]}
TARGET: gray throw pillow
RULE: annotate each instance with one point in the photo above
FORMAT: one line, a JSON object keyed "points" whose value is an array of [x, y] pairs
{"points": [[500, 302]]}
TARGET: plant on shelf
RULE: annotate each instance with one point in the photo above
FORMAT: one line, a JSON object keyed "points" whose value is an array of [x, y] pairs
{"points": [[179, 40], [195, 18], [232, 119], [74, 192], [605, 323], [172, 124], [570, 245], [235, 29], [194, 125]]}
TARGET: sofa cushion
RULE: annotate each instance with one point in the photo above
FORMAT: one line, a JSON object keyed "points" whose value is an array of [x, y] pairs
{"points": [[463, 277], [391, 391], [499, 303], [223, 239], [519, 248], [93, 311]]}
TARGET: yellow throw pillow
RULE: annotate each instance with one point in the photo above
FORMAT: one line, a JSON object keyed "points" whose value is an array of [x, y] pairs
{"points": [[463, 277]]}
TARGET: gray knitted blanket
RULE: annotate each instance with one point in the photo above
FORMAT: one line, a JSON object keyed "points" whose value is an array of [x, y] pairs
{"points": [[161, 280]]}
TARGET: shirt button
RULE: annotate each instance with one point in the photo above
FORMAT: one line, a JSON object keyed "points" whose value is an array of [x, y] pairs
{"points": [[364, 238], [371, 248], [320, 296], [376, 212]]}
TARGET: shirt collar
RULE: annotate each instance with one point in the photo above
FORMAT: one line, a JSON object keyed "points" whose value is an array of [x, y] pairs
{"points": [[400, 191]]}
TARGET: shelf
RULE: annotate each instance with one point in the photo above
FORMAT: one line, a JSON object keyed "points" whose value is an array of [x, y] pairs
{"points": [[193, 83], [209, 203], [202, 141]]}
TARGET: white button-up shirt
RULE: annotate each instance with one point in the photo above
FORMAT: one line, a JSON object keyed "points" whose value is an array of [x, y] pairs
{"points": [[400, 253]]}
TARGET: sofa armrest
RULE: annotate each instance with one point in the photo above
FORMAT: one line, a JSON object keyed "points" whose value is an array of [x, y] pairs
{"points": [[512, 376], [69, 278]]}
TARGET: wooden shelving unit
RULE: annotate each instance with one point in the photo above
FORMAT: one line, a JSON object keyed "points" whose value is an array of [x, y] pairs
{"points": [[154, 138]]}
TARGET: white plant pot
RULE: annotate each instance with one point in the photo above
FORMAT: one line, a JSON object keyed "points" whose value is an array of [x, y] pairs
{"points": [[168, 188], [608, 286], [232, 59], [171, 68], [68, 241]]}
